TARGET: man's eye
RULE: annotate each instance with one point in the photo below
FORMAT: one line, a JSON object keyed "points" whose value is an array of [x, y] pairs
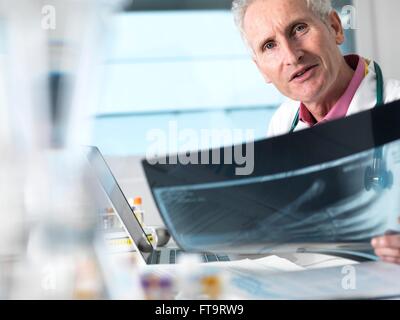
{"points": [[269, 46], [300, 28]]}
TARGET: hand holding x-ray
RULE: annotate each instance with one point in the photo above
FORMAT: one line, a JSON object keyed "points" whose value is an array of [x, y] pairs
{"points": [[387, 247]]}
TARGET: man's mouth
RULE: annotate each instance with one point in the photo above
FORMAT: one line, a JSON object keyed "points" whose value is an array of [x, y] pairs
{"points": [[302, 72]]}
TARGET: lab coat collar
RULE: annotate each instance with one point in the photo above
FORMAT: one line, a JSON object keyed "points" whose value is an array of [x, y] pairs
{"points": [[365, 96]]}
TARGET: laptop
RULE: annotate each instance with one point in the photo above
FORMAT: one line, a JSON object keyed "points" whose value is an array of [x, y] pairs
{"points": [[131, 224]]}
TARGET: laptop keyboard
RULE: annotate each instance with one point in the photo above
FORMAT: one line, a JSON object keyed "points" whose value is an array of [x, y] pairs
{"points": [[175, 253], [155, 257]]}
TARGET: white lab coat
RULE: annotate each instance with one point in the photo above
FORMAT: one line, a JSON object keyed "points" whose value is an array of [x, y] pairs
{"points": [[364, 99]]}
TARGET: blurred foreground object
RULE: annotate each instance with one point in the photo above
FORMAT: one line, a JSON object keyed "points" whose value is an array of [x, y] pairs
{"points": [[49, 58]]}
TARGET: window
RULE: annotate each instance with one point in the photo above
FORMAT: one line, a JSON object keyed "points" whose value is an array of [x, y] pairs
{"points": [[180, 64]]}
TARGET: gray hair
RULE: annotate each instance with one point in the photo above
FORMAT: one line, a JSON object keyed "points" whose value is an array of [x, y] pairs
{"points": [[321, 9]]}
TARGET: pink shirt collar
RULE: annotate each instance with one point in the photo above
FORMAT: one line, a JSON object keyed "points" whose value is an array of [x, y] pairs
{"points": [[341, 107]]}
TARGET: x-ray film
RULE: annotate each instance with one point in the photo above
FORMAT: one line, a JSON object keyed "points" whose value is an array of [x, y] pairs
{"points": [[330, 187]]}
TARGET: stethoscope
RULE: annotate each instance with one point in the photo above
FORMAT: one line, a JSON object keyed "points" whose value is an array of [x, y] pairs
{"points": [[376, 176]]}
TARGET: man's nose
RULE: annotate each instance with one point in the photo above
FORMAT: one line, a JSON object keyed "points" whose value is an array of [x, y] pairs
{"points": [[292, 54]]}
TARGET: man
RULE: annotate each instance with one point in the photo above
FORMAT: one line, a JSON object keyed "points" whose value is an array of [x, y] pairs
{"points": [[295, 45]]}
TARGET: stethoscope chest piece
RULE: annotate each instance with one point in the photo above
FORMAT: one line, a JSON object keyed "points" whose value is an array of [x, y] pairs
{"points": [[377, 177]]}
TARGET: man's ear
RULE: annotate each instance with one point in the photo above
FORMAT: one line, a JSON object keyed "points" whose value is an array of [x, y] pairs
{"points": [[336, 25], [266, 78]]}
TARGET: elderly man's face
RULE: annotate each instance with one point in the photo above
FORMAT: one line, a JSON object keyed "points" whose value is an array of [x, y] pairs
{"points": [[293, 48]]}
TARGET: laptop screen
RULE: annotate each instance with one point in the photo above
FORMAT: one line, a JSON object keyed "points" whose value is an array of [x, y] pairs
{"points": [[335, 185], [119, 202]]}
